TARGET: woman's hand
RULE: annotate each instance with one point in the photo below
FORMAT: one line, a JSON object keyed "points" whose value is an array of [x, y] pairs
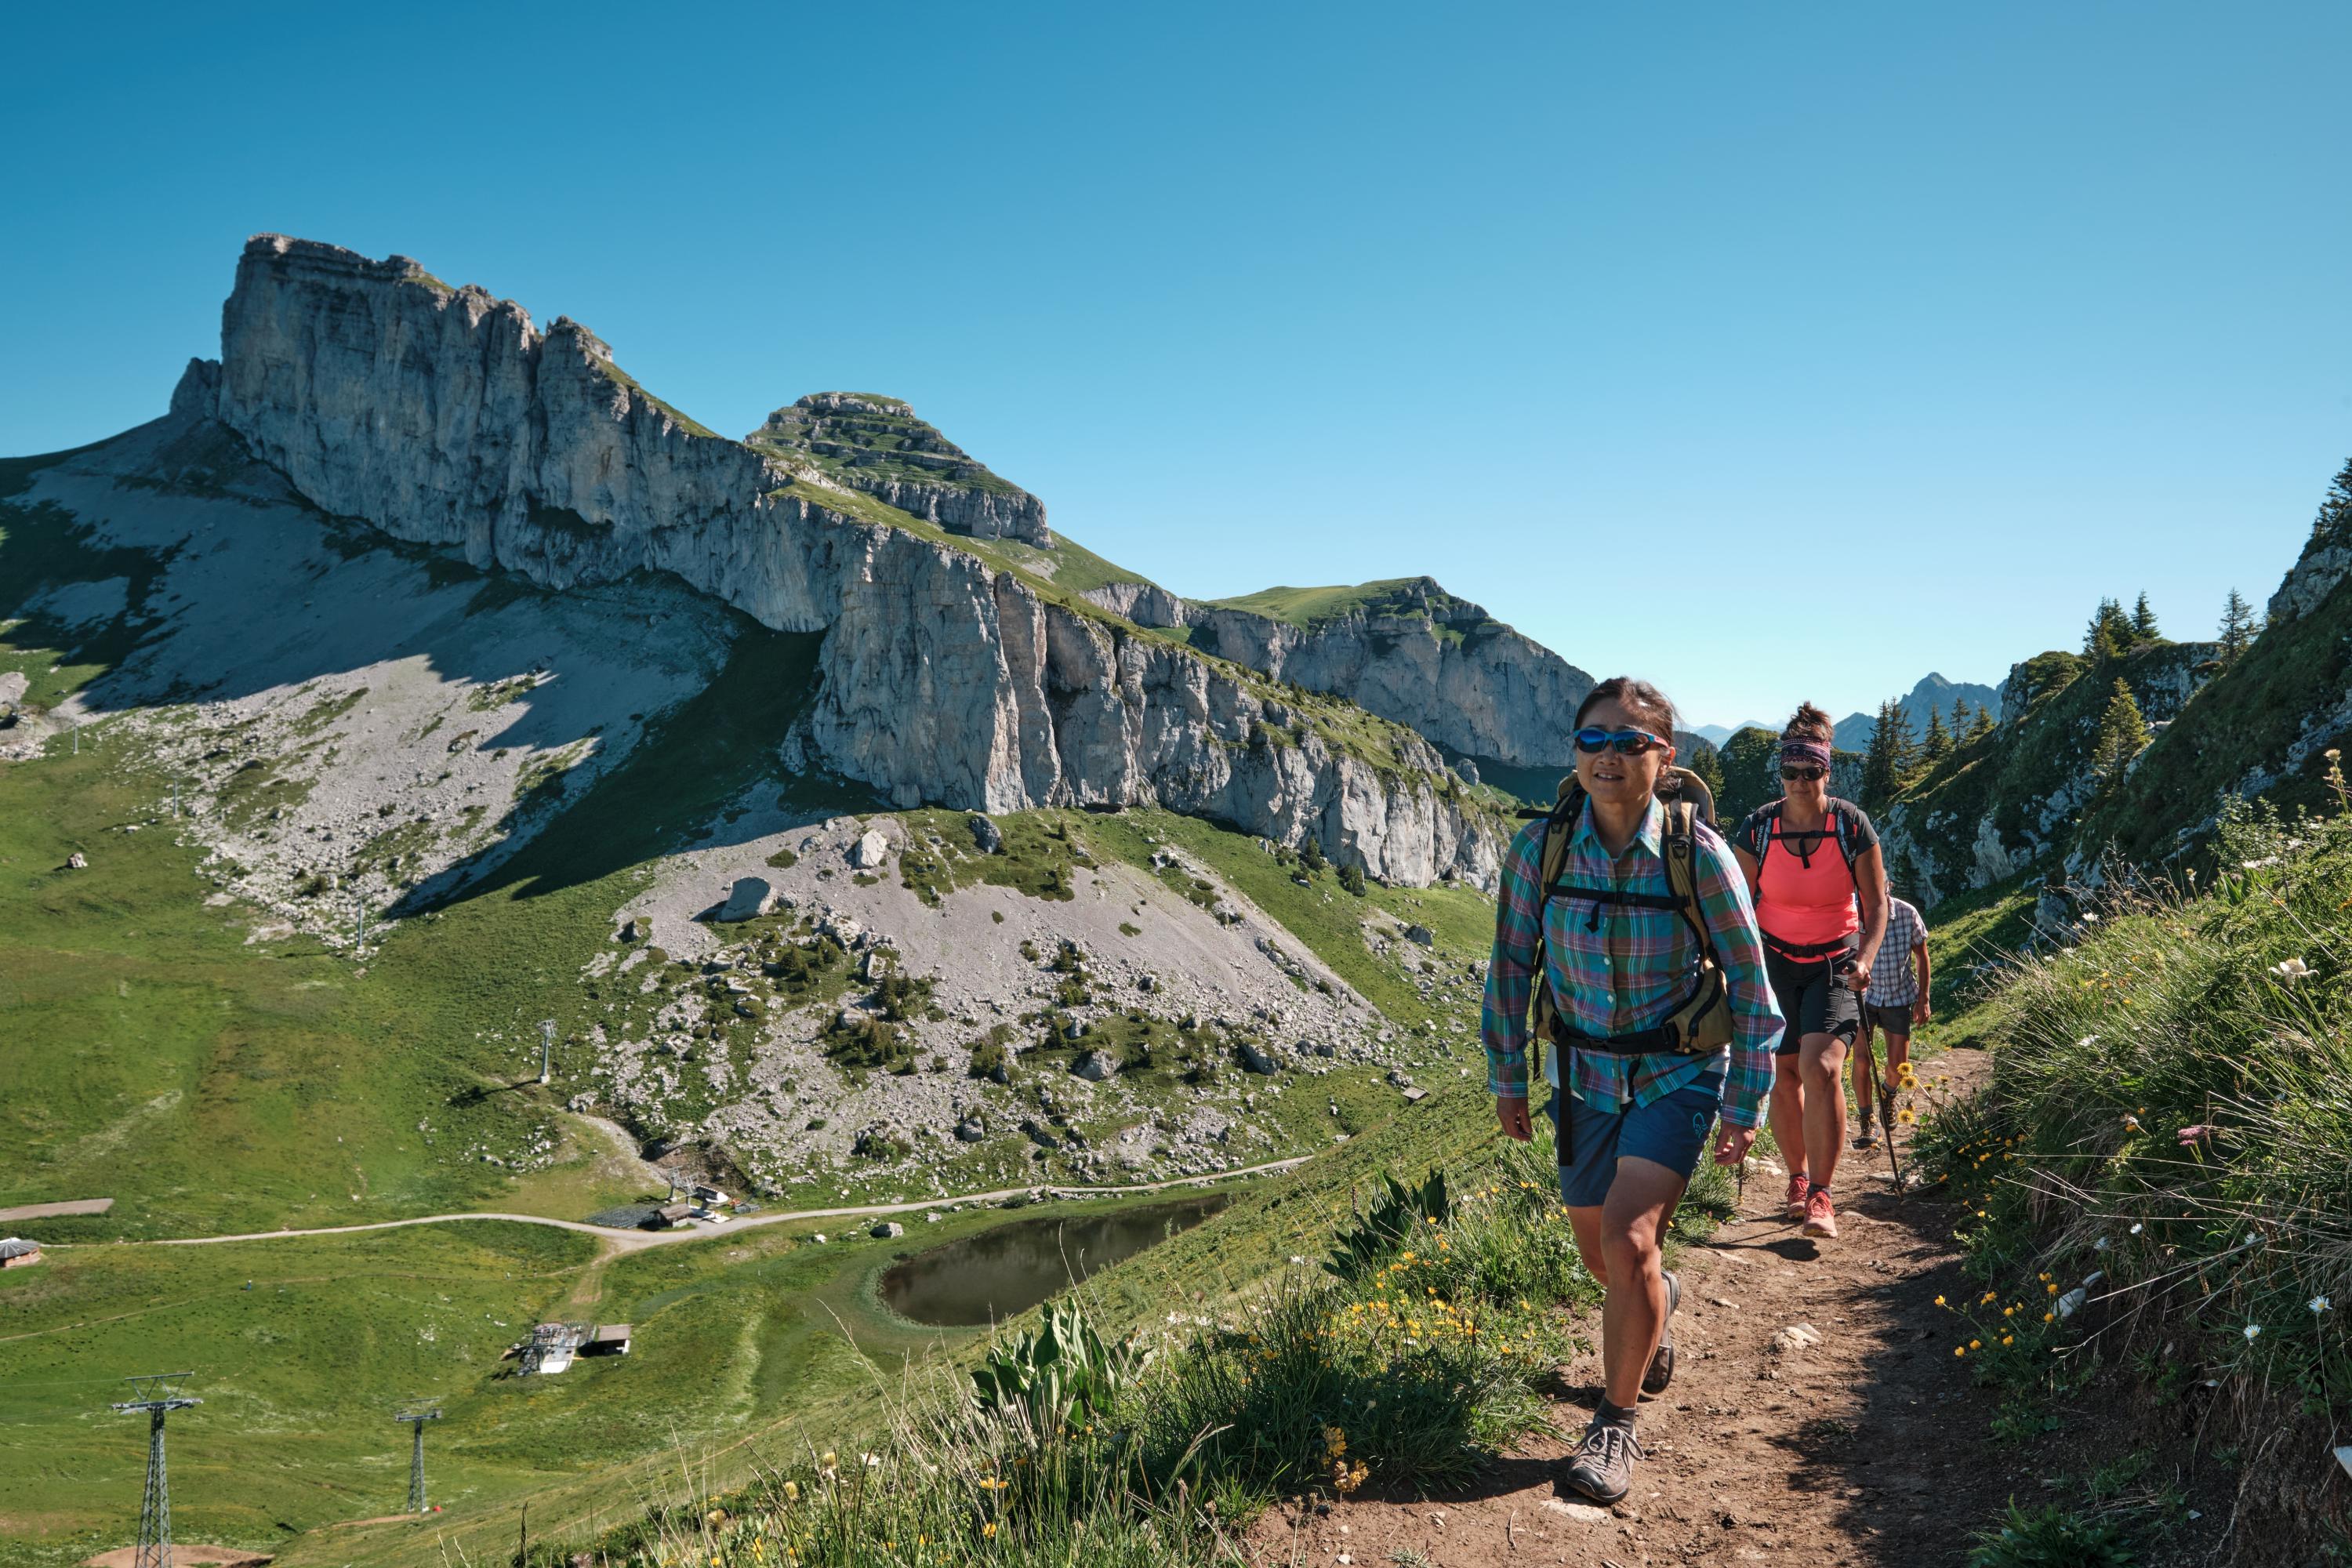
{"points": [[1513, 1115], [1732, 1144]]}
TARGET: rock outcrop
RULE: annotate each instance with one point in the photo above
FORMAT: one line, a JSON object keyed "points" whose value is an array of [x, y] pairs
{"points": [[443, 416], [875, 446], [2014, 799], [1407, 650]]}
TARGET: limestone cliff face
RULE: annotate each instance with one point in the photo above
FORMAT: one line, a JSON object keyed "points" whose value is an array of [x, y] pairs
{"points": [[1409, 652], [443, 416]]}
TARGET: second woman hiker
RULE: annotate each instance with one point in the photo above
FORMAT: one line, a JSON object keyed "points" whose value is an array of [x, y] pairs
{"points": [[1820, 883], [1626, 922]]}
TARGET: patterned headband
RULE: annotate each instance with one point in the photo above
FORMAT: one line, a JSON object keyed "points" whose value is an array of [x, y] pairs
{"points": [[1804, 748]]}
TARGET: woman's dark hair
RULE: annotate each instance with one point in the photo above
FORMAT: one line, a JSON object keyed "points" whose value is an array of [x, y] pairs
{"points": [[1640, 697], [1809, 723]]}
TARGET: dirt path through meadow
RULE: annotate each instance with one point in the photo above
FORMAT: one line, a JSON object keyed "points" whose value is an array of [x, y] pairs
{"points": [[1864, 1446]]}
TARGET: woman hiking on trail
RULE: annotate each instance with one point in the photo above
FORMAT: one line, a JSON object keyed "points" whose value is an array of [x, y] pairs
{"points": [[1820, 883], [1630, 968]]}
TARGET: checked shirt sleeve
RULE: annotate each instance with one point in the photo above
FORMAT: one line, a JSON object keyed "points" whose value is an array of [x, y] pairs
{"points": [[1510, 977], [1755, 1017]]}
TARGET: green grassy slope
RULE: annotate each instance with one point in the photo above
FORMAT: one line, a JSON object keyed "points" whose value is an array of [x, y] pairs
{"points": [[1310, 608], [298, 1375], [2015, 773], [2246, 717], [210, 1084]]}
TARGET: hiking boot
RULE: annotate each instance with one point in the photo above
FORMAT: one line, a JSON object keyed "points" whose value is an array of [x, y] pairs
{"points": [[1865, 1139], [1662, 1360], [1602, 1465], [1799, 1186], [1821, 1214]]}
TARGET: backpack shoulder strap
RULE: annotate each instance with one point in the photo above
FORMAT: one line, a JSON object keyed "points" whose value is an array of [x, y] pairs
{"points": [[1841, 819], [1679, 839]]}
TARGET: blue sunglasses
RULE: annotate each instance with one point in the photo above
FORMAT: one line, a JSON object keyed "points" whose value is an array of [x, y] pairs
{"points": [[1624, 742]]}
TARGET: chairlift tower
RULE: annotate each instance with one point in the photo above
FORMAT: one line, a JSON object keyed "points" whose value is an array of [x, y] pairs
{"points": [[158, 1394], [546, 1050], [417, 1416]]}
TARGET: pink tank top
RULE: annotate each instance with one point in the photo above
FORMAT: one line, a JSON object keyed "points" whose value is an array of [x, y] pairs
{"points": [[1805, 904]]}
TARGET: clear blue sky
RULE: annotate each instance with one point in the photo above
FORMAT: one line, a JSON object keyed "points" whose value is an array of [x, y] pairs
{"points": [[1772, 351]]}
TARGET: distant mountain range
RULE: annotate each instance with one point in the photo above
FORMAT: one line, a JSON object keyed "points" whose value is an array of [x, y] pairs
{"points": [[1717, 734]]}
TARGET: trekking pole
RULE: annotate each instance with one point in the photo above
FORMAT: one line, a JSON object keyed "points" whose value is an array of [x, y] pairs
{"points": [[1886, 1122]]}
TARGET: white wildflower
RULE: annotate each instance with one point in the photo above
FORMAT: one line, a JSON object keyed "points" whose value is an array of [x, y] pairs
{"points": [[2320, 1304], [1297, 1261], [2291, 970], [2254, 1331], [2089, 919], [2138, 1228], [2087, 1042]]}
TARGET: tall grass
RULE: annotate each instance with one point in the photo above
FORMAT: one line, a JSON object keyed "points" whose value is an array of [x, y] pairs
{"points": [[2163, 1161], [1409, 1364]]}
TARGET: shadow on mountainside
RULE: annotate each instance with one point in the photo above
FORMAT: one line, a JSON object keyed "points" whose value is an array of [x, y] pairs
{"points": [[166, 567], [685, 785]]}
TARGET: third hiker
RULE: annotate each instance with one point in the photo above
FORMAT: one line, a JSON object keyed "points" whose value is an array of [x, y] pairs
{"points": [[1625, 922], [1820, 881], [1895, 1002]]}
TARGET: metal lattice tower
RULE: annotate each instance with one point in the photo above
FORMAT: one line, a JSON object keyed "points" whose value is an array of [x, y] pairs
{"points": [[159, 1395], [417, 1416]]}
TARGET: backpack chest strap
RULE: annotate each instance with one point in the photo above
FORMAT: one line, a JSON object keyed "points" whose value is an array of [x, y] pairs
{"points": [[1605, 898]]}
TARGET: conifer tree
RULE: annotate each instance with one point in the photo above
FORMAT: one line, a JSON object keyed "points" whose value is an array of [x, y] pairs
{"points": [[2143, 620], [1983, 724], [2122, 735], [2238, 625], [1708, 763], [1959, 719], [1310, 855], [2334, 523], [1887, 764], [2110, 632], [1939, 742]]}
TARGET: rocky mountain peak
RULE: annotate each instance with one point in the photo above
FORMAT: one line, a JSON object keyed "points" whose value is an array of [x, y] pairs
{"points": [[866, 442]]}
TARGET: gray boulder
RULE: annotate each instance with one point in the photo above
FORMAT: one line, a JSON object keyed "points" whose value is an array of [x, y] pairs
{"points": [[1257, 1061], [985, 834], [1095, 1067], [1421, 934], [751, 898], [888, 1230], [971, 1130], [870, 851]]}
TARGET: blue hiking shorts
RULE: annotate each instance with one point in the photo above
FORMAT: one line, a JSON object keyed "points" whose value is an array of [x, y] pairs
{"points": [[1671, 1130]]}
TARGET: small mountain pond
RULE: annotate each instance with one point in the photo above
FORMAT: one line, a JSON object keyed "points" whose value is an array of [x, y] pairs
{"points": [[990, 1276]]}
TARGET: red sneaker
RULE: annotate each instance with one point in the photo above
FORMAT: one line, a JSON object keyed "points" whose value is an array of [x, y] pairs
{"points": [[1821, 1214], [1795, 1202]]}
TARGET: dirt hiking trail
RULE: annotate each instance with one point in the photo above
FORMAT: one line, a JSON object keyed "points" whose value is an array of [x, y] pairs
{"points": [[1867, 1445]]}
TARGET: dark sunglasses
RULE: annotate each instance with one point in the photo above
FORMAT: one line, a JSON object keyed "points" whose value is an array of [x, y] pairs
{"points": [[1806, 773], [1624, 742]]}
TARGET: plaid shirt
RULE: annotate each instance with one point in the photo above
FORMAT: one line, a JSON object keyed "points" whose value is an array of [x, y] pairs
{"points": [[1893, 981], [1627, 973]]}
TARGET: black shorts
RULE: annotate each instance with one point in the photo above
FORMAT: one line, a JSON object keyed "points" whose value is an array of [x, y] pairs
{"points": [[1812, 998], [1894, 1020]]}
